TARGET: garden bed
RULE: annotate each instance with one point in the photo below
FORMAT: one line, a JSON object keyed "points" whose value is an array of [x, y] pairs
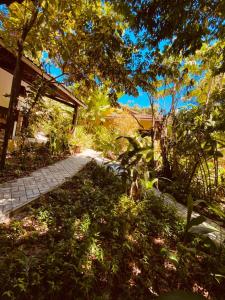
{"points": [[88, 240], [22, 164], [214, 209]]}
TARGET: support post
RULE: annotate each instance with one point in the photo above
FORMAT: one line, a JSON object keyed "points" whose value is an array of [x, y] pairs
{"points": [[75, 116]]}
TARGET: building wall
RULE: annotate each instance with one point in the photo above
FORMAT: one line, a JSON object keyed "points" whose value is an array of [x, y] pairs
{"points": [[146, 124], [5, 87]]}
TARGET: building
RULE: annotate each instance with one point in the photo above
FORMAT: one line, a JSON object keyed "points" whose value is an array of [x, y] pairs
{"points": [[143, 121], [30, 73]]}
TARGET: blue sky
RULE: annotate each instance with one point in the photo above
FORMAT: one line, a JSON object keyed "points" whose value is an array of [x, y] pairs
{"points": [[142, 100]]}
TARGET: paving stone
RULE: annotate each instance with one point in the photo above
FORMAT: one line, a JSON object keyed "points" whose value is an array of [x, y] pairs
{"points": [[23, 199], [7, 196], [22, 188], [29, 193], [19, 192], [5, 190], [16, 202], [20, 180], [31, 198], [7, 207]]}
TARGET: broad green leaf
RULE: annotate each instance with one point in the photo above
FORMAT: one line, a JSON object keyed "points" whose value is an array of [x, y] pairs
{"points": [[202, 230], [196, 221]]}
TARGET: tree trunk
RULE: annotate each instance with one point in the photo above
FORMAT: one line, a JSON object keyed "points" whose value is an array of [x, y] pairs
{"points": [[173, 133], [75, 116], [16, 83], [164, 151], [15, 89], [153, 130], [216, 170]]}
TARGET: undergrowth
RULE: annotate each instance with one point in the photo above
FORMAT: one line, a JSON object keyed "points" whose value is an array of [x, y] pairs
{"points": [[88, 240]]}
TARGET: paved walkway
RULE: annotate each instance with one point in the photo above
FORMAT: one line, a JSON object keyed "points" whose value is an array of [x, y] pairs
{"points": [[17, 193], [218, 232]]}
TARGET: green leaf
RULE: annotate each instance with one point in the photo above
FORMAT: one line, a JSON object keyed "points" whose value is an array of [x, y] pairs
{"points": [[202, 230], [219, 277], [173, 258], [130, 140], [180, 295], [217, 211], [197, 202], [148, 184], [196, 221]]}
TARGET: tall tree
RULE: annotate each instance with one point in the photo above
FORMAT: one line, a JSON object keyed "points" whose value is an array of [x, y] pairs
{"points": [[29, 20], [83, 38]]}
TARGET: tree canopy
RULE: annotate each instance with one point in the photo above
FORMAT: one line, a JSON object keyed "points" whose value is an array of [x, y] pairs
{"points": [[183, 23], [83, 38]]}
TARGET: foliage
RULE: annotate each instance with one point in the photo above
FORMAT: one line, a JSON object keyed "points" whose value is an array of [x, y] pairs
{"points": [[198, 138], [105, 141], [33, 107], [136, 165], [80, 137], [97, 125], [172, 22], [58, 128], [92, 239], [83, 38], [87, 240], [98, 105], [180, 295], [124, 123], [106, 137], [32, 156]]}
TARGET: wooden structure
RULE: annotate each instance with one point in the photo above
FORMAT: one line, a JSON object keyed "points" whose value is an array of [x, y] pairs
{"points": [[144, 120], [30, 73]]}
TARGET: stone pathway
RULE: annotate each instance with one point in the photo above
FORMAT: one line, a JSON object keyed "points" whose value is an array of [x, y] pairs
{"points": [[218, 232], [19, 192]]}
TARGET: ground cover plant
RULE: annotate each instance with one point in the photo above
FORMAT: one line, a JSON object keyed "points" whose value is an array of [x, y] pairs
{"points": [[32, 158], [26, 153], [102, 236], [89, 240]]}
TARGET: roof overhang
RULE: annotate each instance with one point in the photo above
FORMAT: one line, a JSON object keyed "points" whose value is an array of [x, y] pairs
{"points": [[30, 72]]}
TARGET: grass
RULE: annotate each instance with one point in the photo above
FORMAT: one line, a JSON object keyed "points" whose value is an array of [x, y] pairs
{"points": [[88, 240]]}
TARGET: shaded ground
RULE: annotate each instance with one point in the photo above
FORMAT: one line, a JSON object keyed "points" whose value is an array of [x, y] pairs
{"points": [[19, 192], [87, 240], [22, 164]]}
